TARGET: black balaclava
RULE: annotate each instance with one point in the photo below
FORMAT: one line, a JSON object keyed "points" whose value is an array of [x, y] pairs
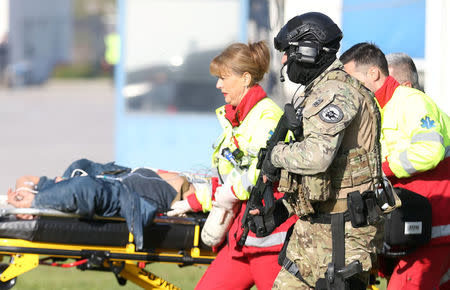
{"points": [[305, 73]]}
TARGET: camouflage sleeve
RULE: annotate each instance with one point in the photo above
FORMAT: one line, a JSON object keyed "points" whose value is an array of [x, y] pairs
{"points": [[310, 156], [325, 117]]}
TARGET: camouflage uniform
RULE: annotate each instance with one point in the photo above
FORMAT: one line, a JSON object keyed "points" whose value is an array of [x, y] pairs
{"points": [[338, 153]]}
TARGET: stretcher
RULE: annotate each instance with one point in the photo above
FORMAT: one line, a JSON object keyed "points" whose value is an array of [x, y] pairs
{"points": [[97, 244]]}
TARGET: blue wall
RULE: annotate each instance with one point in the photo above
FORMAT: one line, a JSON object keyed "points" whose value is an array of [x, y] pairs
{"points": [[395, 25], [167, 141]]}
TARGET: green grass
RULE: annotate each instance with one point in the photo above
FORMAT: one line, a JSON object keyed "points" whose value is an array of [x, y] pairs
{"points": [[45, 277]]}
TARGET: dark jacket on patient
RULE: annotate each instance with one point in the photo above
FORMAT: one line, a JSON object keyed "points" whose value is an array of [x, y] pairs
{"points": [[108, 190]]}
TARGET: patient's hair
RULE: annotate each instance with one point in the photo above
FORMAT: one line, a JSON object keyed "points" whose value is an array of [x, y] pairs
{"points": [[239, 58]]}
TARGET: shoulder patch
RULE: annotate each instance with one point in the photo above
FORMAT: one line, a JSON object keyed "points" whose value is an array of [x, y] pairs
{"points": [[331, 114]]}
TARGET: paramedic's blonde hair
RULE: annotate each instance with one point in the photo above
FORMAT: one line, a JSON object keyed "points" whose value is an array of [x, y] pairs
{"points": [[239, 58]]}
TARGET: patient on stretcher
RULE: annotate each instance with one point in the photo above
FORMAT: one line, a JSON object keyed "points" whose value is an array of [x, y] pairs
{"points": [[88, 188]]}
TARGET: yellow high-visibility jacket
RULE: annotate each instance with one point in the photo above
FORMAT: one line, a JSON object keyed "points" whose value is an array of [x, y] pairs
{"points": [[415, 132], [250, 136]]}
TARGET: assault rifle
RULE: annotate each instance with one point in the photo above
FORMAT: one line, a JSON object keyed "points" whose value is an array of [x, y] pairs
{"points": [[264, 223]]}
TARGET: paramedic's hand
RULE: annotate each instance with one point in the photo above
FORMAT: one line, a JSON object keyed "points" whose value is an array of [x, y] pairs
{"points": [[225, 197], [180, 208]]}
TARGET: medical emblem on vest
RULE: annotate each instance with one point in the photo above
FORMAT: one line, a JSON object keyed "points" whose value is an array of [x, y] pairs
{"points": [[331, 114], [413, 228], [427, 123]]}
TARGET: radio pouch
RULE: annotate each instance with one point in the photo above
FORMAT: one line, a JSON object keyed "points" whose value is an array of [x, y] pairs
{"points": [[355, 205]]}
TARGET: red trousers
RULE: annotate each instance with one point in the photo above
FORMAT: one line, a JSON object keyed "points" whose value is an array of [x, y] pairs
{"points": [[226, 272], [422, 269]]}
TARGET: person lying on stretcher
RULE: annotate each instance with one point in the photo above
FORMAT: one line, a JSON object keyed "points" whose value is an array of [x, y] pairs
{"points": [[88, 188]]}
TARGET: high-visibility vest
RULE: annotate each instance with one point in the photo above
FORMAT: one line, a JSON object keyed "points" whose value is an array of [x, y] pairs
{"points": [[250, 136], [112, 48], [415, 133]]}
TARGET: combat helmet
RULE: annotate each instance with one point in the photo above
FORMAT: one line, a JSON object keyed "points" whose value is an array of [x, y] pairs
{"points": [[309, 33]]}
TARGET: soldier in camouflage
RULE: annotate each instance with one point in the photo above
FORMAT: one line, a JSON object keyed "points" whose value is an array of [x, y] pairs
{"points": [[337, 153]]}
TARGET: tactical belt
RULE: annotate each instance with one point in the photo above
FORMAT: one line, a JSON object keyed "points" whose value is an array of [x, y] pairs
{"points": [[323, 218], [331, 206]]}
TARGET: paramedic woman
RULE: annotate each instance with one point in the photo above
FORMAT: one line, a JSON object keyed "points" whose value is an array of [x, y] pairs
{"points": [[248, 119]]}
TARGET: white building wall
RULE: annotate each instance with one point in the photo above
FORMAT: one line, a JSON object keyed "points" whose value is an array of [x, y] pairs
{"points": [[437, 54], [4, 18]]}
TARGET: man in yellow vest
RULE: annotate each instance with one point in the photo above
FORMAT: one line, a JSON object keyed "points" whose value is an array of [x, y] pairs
{"points": [[416, 149], [112, 50]]}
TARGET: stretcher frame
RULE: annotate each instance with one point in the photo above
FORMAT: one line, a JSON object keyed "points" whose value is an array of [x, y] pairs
{"points": [[125, 262]]}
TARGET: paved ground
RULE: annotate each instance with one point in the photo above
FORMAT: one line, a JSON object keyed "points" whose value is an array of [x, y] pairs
{"points": [[43, 129]]}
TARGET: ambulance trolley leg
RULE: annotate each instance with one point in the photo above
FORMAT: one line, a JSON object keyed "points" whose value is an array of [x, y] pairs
{"points": [[143, 278], [19, 264]]}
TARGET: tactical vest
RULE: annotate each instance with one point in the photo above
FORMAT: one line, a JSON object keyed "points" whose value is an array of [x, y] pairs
{"points": [[357, 167]]}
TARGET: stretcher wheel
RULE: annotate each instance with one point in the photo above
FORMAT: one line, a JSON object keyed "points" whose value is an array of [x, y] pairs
{"points": [[8, 284]]}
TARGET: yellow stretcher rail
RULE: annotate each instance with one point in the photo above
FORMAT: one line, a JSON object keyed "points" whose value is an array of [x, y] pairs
{"points": [[124, 262], [25, 257]]}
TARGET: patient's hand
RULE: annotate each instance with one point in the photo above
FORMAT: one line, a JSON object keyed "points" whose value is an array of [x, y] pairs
{"points": [[21, 198], [180, 208], [25, 216]]}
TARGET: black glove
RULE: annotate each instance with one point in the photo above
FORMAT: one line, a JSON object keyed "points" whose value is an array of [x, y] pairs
{"points": [[268, 169], [293, 120]]}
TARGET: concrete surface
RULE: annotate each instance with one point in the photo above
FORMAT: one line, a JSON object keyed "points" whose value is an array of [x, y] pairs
{"points": [[44, 128]]}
